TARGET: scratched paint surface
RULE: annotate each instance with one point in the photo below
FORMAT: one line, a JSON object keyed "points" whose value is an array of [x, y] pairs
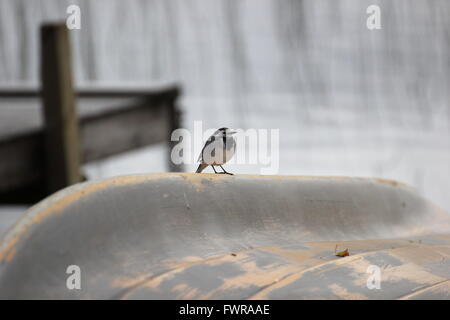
{"points": [[202, 236]]}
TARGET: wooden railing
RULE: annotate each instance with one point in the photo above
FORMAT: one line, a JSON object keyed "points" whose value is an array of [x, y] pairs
{"points": [[36, 163]]}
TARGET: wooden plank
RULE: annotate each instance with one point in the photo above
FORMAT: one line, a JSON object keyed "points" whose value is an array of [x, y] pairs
{"points": [[95, 91], [122, 130], [22, 160], [62, 152], [140, 125]]}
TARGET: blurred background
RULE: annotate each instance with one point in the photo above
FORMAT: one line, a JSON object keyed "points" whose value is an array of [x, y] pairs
{"points": [[347, 100]]}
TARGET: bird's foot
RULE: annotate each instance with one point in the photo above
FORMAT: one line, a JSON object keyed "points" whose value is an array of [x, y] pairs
{"points": [[224, 172]]}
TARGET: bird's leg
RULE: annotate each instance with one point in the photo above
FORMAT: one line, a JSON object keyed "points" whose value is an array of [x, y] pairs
{"points": [[219, 172], [214, 169], [225, 171]]}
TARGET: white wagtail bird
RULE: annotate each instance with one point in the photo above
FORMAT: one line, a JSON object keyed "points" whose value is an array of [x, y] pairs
{"points": [[218, 150]]}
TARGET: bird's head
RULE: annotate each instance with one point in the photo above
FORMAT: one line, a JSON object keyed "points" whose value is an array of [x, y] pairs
{"points": [[225, 132]]}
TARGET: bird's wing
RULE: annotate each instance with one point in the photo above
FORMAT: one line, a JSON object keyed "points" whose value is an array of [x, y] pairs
{"points": [[208, 142]]}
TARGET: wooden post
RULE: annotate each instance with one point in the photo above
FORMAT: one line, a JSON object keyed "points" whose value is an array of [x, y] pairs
{"points": [[62, 151]]}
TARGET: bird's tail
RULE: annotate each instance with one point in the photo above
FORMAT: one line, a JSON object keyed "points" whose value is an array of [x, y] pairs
{"points": [[201, 167]]}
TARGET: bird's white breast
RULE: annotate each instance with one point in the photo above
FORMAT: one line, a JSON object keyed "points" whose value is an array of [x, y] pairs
{"points": [[215, 153]]}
